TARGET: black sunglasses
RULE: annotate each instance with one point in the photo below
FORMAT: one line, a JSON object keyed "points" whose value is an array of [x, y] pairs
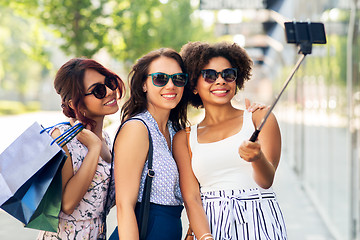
{"points": [[99, 90], [228, 74], [161, 79]]}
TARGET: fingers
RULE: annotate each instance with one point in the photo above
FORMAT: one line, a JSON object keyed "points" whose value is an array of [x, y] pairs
{"points": [[249, 151], [252, 107], [249, 146], [72, 121], [247, 103], [259, 106], [88, 127], [255, 106]]}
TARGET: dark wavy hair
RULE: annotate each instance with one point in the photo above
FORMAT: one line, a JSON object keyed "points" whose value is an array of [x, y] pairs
{"points": [[69, 84], [137, 102], [196, 55]]}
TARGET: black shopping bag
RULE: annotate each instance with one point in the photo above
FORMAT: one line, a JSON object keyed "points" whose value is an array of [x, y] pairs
{"points": [[27, 168]]}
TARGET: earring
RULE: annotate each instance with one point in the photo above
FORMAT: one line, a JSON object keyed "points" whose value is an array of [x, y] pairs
{"points": [[195, 92]]}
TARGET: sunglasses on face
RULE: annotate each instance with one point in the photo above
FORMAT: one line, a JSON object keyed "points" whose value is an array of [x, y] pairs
{"points": [[161, 79], [228, 74], [99, 90]]}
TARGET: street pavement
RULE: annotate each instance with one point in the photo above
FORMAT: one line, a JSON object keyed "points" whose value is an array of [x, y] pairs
{"points": [[302, 220]]}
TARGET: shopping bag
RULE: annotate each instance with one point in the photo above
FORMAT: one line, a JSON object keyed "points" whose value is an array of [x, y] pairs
{"points": [[27, 168], [46, 214]]}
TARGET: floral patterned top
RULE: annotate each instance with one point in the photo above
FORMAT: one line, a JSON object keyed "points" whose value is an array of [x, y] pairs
{"points": [[92, 204]]}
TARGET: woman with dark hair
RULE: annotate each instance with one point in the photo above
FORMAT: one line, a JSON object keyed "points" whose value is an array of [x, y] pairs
{"points": [[157, 82], [88, 93], [225, 179]]}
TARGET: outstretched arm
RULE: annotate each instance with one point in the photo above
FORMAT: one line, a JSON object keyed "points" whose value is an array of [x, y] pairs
{"points": [[263, 154]]}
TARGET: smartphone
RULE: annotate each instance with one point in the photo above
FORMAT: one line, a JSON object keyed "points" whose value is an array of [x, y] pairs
{"points": [[299, 32]]}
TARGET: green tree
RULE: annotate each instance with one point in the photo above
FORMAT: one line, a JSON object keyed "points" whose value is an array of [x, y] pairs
{"points": [[144, 25], [23, 60], [82, 24], [126, 29]]}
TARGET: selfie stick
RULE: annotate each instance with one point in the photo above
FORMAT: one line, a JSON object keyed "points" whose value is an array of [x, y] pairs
{"points": [[305, 48], [255, 135]]}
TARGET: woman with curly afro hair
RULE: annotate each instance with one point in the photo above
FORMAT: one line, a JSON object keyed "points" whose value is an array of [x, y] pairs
{"points": [[225, 179]]}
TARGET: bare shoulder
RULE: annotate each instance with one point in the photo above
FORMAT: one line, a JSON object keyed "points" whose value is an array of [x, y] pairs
{"points": [[134, 126], [132, 131], [180, 135], [180, 143]]}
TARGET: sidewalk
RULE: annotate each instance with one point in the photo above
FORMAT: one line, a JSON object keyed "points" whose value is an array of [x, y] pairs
{"points": [[301, 218]]}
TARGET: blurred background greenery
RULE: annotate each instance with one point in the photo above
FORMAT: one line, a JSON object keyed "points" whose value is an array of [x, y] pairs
{"points": [[38, 36]]}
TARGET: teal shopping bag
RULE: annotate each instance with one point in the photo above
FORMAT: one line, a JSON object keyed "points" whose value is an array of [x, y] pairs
{"points": [[46, 214]]}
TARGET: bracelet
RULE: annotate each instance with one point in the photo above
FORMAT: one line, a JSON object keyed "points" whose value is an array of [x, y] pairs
{"points": [[207, 235]]}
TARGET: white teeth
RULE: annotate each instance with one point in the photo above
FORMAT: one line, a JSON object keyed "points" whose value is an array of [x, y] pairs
{"points": [[219, 91], [111, 102], [169, 96]]}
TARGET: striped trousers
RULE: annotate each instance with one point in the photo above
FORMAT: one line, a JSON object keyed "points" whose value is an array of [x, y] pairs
{"points": [[251, 214]]}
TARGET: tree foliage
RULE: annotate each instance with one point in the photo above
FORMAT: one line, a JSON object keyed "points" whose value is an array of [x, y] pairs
{"points": [[125, 29], [81, 24], [23, 58], [144, 25]]}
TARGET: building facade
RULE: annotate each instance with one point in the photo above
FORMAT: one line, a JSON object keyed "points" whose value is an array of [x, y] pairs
{"points": [[319, 116]]}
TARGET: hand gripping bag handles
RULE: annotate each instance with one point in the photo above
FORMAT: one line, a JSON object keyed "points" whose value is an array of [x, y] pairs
{"points": [[145, 203], [30, 176]]}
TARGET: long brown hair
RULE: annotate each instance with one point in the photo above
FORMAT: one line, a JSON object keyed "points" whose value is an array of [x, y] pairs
{"points": [[137, 102], [69, 84]]}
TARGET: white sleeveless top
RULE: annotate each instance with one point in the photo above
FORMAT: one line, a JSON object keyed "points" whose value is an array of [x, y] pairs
{"points": [[218, 166]]}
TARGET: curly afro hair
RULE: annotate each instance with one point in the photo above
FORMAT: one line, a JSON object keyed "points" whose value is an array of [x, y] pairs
{"points": [[196, 56]]}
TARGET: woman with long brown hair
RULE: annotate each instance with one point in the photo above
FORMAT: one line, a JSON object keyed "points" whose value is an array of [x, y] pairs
{"points": [[88, 93], [157, 82]]}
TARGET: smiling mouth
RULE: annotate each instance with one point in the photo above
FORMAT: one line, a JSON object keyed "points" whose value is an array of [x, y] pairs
{"points": [[111, 102], [169, 95], [220, 91]]}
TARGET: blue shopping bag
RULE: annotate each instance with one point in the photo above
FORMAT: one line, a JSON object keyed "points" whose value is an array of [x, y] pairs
{"points": [[30, 176]]}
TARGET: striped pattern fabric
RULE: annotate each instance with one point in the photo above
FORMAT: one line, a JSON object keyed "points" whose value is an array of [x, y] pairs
{"points": [[251, 214]]}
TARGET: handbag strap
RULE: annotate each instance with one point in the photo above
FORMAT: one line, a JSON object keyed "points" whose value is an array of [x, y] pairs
{"points": [[145, 203]]}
